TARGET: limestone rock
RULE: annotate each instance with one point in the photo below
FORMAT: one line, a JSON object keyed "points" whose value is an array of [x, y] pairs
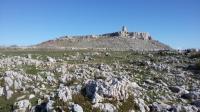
{"points": [[181, 108], [117, 88], [105, 107], [64, 93], [22, 105], [141, 104], [77, 108], [9, 94], [1, 91], [196, 103], [50, 59]]}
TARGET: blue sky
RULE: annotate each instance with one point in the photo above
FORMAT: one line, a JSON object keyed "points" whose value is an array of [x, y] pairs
{"points": [[26, 22]]}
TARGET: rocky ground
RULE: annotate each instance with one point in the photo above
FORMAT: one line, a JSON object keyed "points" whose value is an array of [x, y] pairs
{"points": [[95, 81]]}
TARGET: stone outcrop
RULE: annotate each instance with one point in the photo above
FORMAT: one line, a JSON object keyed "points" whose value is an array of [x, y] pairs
{"points": [[125, 34], [109, 82], [117, 88]]}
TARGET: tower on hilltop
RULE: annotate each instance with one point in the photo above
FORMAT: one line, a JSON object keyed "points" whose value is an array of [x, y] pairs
{"points": [[124, 31]]}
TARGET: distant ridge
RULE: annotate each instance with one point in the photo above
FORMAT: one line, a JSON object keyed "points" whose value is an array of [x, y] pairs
{"points": [[118, 41]]}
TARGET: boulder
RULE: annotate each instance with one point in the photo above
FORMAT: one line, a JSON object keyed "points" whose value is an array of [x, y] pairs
{"points": [[50, 59], [31, 96], [9, 94], [77, 108], [105, 67], [141, 105], [63, 78], [196, 103], [8, 81], [1, 91], [175, 89], [17, 84], [190, 96], [117, 88], [105, 107], [22, 105], [64, 93], [49, 106], [159, 107], [181, 108]]}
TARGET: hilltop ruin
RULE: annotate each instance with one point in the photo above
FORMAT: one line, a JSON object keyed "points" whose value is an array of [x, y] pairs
{"points": [[119, 41]]}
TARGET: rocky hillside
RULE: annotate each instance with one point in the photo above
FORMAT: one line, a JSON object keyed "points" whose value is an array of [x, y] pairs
{"points": [[101, 81], [118, 44], [118, 41]]}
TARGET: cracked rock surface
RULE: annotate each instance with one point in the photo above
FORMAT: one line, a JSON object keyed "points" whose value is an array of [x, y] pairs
{"points": [[99, 81]]}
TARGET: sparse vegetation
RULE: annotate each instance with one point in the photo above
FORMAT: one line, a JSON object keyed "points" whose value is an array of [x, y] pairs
{"points": [[31, 70], [128, 105], [151, 71], [83, 102]]}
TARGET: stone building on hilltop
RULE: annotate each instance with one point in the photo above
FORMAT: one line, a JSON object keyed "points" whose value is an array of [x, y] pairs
{"points": [[125, 34]]}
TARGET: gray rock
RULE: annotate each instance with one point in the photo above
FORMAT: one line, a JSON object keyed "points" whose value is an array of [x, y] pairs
{"points": [[31, 96], [8, 81], [64, 93], [190, 96], [77, 108], [22, 105], [196, 103], [17, 84], [141, 105], [9, 94], [181, 108], [50, 59], [175, 89], [105, 67], [29, 56], [49, 106], [1, 91], [159, 107], [105, 107], [111, 88]]}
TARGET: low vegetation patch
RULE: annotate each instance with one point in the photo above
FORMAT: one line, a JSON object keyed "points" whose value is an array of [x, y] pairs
{"points": [[128, 105], [31, 70]]}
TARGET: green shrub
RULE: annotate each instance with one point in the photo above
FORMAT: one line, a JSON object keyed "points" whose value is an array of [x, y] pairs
{"points": [[194, 55], [83, 101], [198, 65], [128, 105], [31, 69]]}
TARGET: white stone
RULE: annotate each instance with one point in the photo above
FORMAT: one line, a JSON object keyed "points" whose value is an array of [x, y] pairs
{"points": [[63, 78], [141, 104], [8, 81], [77, 108], [17, 84], [105, 107], [64, 93], [36, 90], [117, 88], [23, 104], [31, 96], [49, 106], [50, 59], [1, 91], [9, 94]]}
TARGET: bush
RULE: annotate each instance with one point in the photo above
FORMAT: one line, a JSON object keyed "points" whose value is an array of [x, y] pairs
{"points": [[194, 55], [198, 65], [83, 102], [128, 105], [31, 70]]}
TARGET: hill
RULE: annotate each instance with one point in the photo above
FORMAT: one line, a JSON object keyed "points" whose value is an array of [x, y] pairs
{"points": [[119, 41]]}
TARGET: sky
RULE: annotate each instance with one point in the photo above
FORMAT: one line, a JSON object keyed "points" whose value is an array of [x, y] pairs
{"points": [[28, 22]]}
